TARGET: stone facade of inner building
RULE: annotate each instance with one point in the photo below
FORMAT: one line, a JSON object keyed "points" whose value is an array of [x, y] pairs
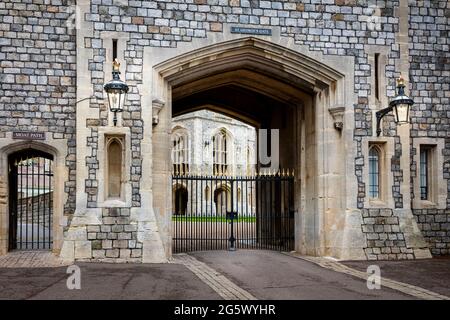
{"points": [[207, 143]]}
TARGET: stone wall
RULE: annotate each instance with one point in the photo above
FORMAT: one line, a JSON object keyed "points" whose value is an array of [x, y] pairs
{"points": [[429, 35], [37, 75], [116, 239], [435, 227], [385, 240]]}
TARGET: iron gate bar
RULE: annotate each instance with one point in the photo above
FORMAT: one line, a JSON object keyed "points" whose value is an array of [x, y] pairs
{"points": [[39, 202], [263, 204], [26, 206]]}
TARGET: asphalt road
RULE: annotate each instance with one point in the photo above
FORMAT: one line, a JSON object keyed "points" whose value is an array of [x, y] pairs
{"points": [[105, 281], [265, 274], [273, 275]]}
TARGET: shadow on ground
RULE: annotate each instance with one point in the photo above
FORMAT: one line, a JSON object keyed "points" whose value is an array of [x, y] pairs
{"points": [[105, 281]]}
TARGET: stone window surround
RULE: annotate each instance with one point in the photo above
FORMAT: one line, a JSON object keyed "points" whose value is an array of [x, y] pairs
{"points": [[438, 185], [125, 200], [109, 140], [379, 155], [386, 146]]}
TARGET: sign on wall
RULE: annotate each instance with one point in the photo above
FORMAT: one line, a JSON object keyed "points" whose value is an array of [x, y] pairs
{"points": [[256, 31], [28, 135]]}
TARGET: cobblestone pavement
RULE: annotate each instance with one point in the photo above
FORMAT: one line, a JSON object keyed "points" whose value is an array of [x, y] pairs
{"points": [[406, 288], [31, 259], [219, 283]]}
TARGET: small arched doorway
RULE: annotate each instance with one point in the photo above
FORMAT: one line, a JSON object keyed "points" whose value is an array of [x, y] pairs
{"points": [[30, 200]]}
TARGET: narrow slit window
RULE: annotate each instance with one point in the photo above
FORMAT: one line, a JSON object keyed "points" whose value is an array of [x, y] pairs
{"points": [[424, 176], [377, 76], [114, 48], [374, 173]]}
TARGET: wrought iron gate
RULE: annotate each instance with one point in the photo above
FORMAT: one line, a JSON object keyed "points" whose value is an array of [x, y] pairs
{"points": [[223, 212], [30, 200]]}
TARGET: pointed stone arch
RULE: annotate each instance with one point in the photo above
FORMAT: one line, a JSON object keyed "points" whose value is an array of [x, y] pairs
{"points": [[313, 84]]}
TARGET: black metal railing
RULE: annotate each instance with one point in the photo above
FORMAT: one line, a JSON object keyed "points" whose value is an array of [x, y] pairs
{"points": [[31, 201], [233, 212]]}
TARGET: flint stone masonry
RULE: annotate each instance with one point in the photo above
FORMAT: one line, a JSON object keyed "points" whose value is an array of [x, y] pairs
{"points": [[430, 116], [435, 227], [38, 75]]}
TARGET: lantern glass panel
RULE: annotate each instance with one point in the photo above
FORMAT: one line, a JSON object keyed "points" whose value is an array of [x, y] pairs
{"points": [[116, 100], [401, 112]]}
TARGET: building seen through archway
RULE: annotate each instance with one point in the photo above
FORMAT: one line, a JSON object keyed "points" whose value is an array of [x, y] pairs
{"points": [[208, 143]]}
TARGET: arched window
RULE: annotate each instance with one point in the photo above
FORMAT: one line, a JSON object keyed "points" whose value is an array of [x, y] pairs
{"points": [[374, 172], [180, 152], [220, 152], [114, 168]]}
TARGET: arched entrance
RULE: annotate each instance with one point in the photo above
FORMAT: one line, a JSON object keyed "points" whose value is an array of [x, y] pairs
{"points": [[275, 85], [31, 186]]}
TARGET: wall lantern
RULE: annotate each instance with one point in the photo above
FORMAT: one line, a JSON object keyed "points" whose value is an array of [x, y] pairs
{"points": [[400, 105], [117, 91]]}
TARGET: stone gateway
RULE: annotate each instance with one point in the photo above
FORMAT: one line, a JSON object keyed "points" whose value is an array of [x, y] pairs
{"points": [[315, 72]]}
